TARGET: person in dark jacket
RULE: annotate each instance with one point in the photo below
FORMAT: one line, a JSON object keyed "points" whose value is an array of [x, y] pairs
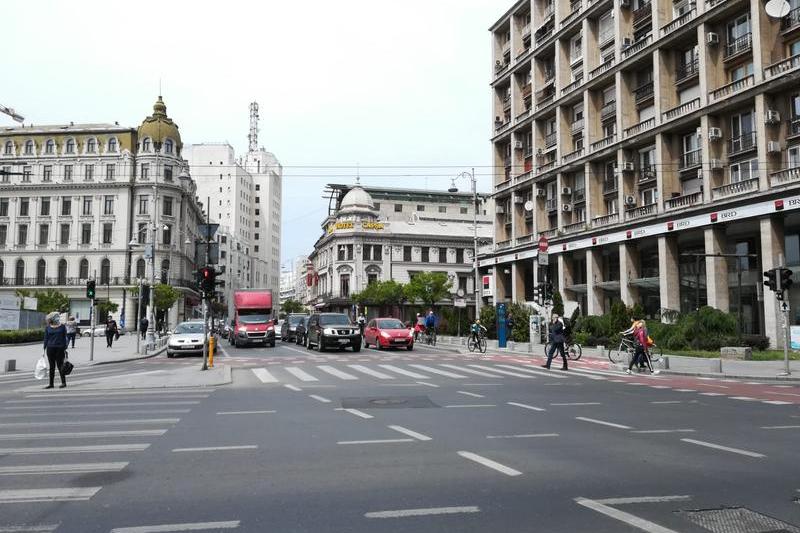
{"points": [[557, 340], [111, 331], [55, 346], [143, 324]]}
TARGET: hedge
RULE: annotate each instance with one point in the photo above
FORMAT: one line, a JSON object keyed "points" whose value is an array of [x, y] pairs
{"points": [[19, 336]]}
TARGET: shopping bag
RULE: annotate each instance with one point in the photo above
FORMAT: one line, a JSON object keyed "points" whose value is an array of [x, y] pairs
{"points": [[40, 371], [67, 367]]}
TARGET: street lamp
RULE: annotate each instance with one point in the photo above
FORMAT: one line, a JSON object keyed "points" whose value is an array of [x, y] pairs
{"points": [[454, 189]]}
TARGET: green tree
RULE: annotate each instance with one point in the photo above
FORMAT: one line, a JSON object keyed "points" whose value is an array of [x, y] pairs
{"points": [[165, 296], [104, 307], [292, 306], [381, 293], [520, 315], [488, 318], [428, 287], [558, 303], [51, 300]]}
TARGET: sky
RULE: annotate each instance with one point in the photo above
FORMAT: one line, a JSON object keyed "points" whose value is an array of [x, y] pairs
{"points": [[397, 92]]}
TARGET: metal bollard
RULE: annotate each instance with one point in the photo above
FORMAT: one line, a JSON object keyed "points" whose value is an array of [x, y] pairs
{"points": [[11, 365]]}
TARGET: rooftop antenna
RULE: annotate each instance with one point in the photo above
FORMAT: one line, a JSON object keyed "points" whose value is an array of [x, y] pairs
{"points": [[252, 137], [358, 174]]}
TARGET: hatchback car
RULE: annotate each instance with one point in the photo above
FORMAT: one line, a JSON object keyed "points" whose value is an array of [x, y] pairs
{"points": [[289, 326], [332, 330], [388, 333], [301, 331], [186, 339]]}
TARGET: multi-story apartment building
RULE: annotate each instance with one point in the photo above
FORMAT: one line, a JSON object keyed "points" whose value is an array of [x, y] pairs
{"points": [[303, 273], [635, 134], [81, 201], [267, 175], [288, 285]]}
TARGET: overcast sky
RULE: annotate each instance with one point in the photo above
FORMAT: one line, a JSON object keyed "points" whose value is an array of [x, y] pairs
{"points": [[378, 83]]}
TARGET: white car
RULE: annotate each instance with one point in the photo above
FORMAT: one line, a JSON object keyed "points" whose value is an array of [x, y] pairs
{"points": [[186, 339], [99, 331]]}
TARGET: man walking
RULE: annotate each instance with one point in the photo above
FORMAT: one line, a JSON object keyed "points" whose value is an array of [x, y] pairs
{"points": [[557, 340], [143, 323], [72, 330], [111, 331]]}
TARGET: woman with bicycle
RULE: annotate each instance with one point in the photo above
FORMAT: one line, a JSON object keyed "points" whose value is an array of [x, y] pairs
{"points": [[477, 337], [640, 345]]}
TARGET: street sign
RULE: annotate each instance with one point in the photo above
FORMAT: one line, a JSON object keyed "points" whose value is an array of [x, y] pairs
{"points": [[544, 259], [543, 245], [459, 302], [207, 230]]}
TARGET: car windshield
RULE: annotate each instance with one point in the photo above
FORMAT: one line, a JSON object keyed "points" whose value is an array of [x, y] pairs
{"points": [[253, 319], [294, 320], [334, 320], [392, 323], [189, 327]]}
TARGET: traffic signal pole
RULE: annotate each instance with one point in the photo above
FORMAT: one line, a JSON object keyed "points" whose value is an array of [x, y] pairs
{"points": [[90, 290]]}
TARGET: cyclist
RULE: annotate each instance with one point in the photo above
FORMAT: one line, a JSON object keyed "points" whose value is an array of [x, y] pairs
{"points": [[430, 325], [477, 330], [640, 342]]}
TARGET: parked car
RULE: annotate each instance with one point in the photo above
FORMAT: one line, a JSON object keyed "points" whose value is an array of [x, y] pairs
{"points": [[388, 333], [99, 331], [186, 339], [289, 326], [301, 331], [332, 330]]}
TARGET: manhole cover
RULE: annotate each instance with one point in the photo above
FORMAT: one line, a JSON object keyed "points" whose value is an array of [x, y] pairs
{"points": [[737, 520], [388, 402]]}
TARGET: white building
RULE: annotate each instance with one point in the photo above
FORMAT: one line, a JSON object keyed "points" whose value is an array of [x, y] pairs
{"points": [[287, 291]]}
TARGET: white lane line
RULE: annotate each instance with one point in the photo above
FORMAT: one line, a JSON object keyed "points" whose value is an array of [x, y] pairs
{"points": [[141, 392], [74, 406], [743, 398], [526, 406], [48, 495], [644, 499], [244, 412], [503, 469], [465, 393], [99, 413], [684, 390], [471, 371], [712, 394], [216, 448], [355, 412], [337, 373], [456, 406], [444, 373], [527, 369], [780, 427], [716, 386], [75, 468], [146, 421], [422, 512], [300, 374], [368, 371], [724, 448], [319, 398], [660, 386], [777, 402], [170, 528], [434, 385], [292, 387], [55, 450], [523, 436], [410, 433], [376, 441], [622, 516], [602, 423], [404, 372], [44, 403], [42, 528], [663, 431], [84, 434], [485, 384], [264, 375], [504, 372], [576, 403], [666, 402]]}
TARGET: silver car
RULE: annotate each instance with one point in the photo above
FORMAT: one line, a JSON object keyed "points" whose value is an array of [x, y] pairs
{"points": [[186, 339]]}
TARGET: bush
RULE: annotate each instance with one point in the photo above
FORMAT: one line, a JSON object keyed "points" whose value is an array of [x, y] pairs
{"points": [[521, 316], [756, 342], [489, 320], [19, 336]]}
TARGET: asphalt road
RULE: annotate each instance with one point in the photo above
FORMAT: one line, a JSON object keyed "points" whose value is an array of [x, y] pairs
{"points": [[422, 441]]}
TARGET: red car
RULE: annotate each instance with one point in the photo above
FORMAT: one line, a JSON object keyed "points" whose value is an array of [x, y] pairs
{"points": [[388, 333]]}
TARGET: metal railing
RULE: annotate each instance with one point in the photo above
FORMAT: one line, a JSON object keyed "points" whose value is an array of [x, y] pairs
{"points": [[636, 129], [574, 228], [713, 3], [791, 21], [638, 46], [690, 159], [605, 220], [647, 174], [604, 67], [729, 89], [578, 195], [734, 189], [550, 139], [678, 22], [782, 177], [572, 86], [610, 186], [785, 65], [685, 200], [609, 109], [644, 11], [687, 70], [644, 92], [739, 45], [681, 110], [576, 126], [604, 142], [794, 126], [743, 143], [641, 212], [572, 156]]}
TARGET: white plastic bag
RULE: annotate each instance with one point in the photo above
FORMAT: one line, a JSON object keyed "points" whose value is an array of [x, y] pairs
{"points": [[41, 368]]}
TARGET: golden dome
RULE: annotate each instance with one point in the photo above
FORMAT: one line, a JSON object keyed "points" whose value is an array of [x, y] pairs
{"points": [[159, 126]]}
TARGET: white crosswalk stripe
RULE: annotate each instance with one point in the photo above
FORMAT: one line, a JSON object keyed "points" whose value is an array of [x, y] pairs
{"points": [[264, 375], [404, 372], [174, 528], [374, 373], [471, 371], [75, 468], [95, 448], [84, 434], [337, 373], [529, 370], [300, 374], [48, 495], [444, 373], [501, 371]]}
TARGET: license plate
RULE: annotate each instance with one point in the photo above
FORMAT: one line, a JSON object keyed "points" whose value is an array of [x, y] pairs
{"points": [[344, 341]]}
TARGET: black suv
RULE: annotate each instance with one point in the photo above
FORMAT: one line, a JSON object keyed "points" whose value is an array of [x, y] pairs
{"points": [[332, 330], [289, 327]]}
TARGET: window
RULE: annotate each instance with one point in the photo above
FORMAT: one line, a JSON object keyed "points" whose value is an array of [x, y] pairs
{"points": [[257, 224], [44, 234], [372, 252], [22, 234], [741, 72], [140, 268], [258, 212], [69, 147], [89, 173], [86, 233], [420, 208], [398, 208], [377, 206], [108, 205], [112, 145], [3, 236], [66, 206], [110, 171], [4, 176], [87, 206], [742, 132], [26, 174], [166, 234], [67, 172], [165, 271], [258, 199], [62, 272], [91, 146], [9, 149], [744, 170], [254, 247], [738, 28], [167, 207], [28, 147], [44, 206], [64, 234], [580, 214], [24, 207], [691, 149], [146, 144], [41, 271], [50, 147], [141, 232], [407, 253], [143, 201], [459, 255], [107, 233], [606, 25], [576, 48], [442, 209], [258, 186], [345, 252], [168, 146], [649, 196], [611, 207], [344, 285], [3, 207], [105, 272], [145, 174], [647, 159], [463, 210], [168, 172], [47, 174], [19, 273], [83, 269], [426, 254], [794, 156], [682, 7]]}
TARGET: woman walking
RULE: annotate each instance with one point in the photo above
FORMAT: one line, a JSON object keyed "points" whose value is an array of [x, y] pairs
{"points": [[72, 330], [55, 346]]}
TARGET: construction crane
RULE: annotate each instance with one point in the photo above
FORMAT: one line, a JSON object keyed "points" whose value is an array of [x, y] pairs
{"points": [[11, 113]]}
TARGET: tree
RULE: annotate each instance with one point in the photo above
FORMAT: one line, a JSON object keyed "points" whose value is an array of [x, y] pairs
{"points": [[104, 307], [292, 306], [558, 303], [380, 293], [165, 296], [428, 287], [51, 300]]}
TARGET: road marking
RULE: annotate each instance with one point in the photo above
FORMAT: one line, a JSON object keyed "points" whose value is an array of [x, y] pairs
{"points": [[377, 441], [422, 512], [105, 413], [146, 421], [410, 433], [300, 374], [444, 373], [666, 402], [505, 372], [143, 392], [75, 449], [264, 375], [684, 390], [602, 423], [216, 448], [169, 528], [577, 403], [485, 384], [319, 398], [470, 371], [465, 393], [292, 387], [337, 373], [356, 412], [780, 427], [404, 372], [368, 371], [622, 516], [723, 448], [490, 464], [245, 412], [74, 406], [712, 394], [663, 431], [643, 499], [776, 402], [785, 393], [524, 436], [44, 528], [660, 386], [435, 386], [524, 368], [455, 406], [48, 495], [526, 406], [716, 386], [743, 398], [44, 403], [75, 468], [85, 434]]}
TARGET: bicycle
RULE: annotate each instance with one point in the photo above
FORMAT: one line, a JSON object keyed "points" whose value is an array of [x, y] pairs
{"points": [[627, 347], [571, 349], [477, 341], [430, 337]]}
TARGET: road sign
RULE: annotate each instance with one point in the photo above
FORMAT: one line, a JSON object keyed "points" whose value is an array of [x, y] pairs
{"points": [[543, 245], [459, 302], [544, 258]]}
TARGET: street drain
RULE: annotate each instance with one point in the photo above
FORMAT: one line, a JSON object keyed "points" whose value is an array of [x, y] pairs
{"points": [[737, 520], [388, 402]]}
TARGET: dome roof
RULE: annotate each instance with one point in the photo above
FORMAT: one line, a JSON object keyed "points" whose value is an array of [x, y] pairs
{"points": [[159, 126], [356, 200]]}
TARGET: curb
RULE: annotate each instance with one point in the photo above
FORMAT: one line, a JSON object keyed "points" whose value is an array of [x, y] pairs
{"points": [[790, 379], [21, 344], [129, 359]]}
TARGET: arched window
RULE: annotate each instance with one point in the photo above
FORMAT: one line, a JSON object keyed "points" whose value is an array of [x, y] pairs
{"points": [[146, 144], [83, 269], [50, 147], [112, 144], [69, 148], [165, 271], [62, 272], [140, 268], [28, 147], [41, 271], [168, 146], [2, 272], [105, 272], [9, 149], [91, 146], [19, 275]]}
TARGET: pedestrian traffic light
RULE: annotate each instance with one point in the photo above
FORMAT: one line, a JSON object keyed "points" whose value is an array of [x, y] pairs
{"points": [[207, 280], [771, 279], [90, 285], [784, 279], [537, 294]]}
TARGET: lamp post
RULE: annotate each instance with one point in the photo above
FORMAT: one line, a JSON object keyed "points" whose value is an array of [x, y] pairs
{"points": [[453, 189]]}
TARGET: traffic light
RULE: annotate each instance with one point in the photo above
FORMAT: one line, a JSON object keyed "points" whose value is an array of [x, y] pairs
{"points": [[548, 292], [207, 280], [771, 279], [537, 294], [784, 281], [90, 285]]}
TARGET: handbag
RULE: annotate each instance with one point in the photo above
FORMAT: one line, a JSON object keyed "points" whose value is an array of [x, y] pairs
{"points": [[66, 367], [40, 370]]}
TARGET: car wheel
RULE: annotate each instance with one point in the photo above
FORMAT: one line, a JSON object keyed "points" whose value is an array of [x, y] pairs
{"points": [[366, 344], [357, 347], [410, 347], [321, 343], [170, 355]]}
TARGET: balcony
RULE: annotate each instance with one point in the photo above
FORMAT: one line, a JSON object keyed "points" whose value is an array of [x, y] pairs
{"points": [[572, 156], [794, 127], [506, 47], [500, 67], [572, 86], [578, 196], [686, 71], [502, 186], [507, 102], [784, 177], [525, 239], [527, 90], [641, 127], [577, 227], [546, 167], [576, 126], [544, 98], [500, 126], [734, 189], [522, 116], [690, 160], [549, 76], [522, 52], [526, 30], [576, 8], [786, 65], [543, 33], [685, 200], [743, 143], [738, 46], [791, 21], [606, 220], [603, 143], [731, 88], [528, 151], [710, 4], [647, 174], [610, 186], [644, 93], [608, 110], [681, 110], [604, 67], [551, 204], [549, 233], [678, 22], [642, 14], [637, 47], [641, 212], [550, 140], [502, 245]]}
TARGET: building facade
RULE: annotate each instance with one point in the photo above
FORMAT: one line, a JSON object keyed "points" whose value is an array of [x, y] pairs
{"points": [[643, 139], [84, 201]]}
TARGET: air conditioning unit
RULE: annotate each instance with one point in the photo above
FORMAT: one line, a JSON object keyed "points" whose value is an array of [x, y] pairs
{"points": [[714, 134], [773, 147], [566, 208], [541, 193], [519, 199], [500, 210], [712, 39], [518, 145], [772, 117], [566, 191], [630, 200], [628, 166], [715, 164], [627, 42]]}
